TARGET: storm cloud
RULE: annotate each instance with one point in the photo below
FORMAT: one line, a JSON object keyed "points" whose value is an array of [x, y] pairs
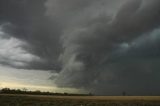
{"points": [[95, 36], [103, 46]]}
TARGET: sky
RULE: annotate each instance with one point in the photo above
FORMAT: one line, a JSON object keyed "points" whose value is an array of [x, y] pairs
{"points": [[101, 46]]}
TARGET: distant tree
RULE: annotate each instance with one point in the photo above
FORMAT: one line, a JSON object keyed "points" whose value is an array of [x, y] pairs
{"points": [[124, 93], [24, 89], [65, 93], [5, 90], [90, 94]]}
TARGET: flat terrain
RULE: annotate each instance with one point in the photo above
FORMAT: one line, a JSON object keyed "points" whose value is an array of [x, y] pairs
{"points": [[38, 100]]}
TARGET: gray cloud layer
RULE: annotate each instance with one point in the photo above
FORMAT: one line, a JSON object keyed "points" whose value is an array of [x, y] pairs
{"points": [[104, 46]]}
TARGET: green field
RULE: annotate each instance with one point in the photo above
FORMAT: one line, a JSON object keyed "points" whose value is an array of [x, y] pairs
{"points": [[33, 100]]}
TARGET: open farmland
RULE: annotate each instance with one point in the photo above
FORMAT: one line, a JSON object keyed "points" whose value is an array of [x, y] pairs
{"points": [[33, 100]]}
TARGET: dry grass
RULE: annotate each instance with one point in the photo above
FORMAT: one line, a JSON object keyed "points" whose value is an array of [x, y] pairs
{"points": [[33, 100]]}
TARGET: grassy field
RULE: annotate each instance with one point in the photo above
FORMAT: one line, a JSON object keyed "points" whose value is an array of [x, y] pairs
{"points": [[33, 100]]}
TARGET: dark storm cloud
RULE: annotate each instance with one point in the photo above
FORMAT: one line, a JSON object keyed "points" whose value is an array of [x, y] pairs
{"points": [[132, 68], [96, 42]]}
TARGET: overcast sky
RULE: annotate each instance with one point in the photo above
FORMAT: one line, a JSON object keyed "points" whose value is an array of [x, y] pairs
{"points": [[99, 46]]}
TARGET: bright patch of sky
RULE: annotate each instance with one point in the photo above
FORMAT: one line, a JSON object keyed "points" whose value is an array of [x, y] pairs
{"points": [[30, 79]]}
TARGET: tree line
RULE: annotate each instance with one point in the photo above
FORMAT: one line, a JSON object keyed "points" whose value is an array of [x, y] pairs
{"points": [[38, 92]]}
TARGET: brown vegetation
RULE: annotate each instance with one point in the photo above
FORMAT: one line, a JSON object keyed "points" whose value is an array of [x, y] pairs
{"points": [[43, 100]]}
